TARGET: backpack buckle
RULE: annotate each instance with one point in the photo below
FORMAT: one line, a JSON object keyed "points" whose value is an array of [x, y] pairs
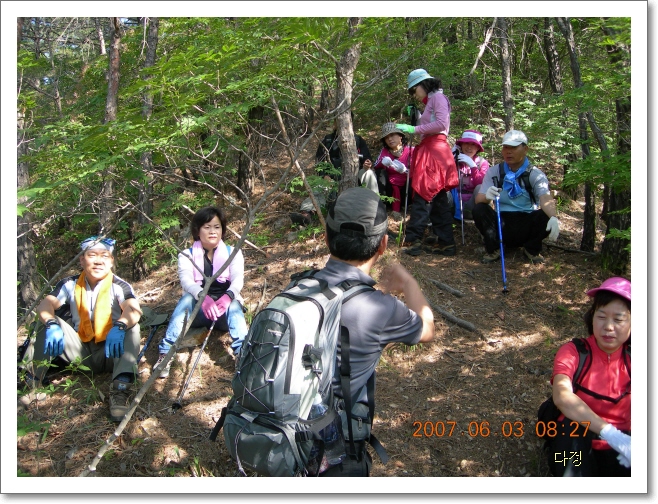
{"points": [[312, 358]]}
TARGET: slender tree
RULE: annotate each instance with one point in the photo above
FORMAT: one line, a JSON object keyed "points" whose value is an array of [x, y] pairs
{"points": [[345, 69], [111, 106], [506, 69], [589, 215]]}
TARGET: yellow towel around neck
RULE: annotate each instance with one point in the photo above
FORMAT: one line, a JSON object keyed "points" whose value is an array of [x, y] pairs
{"points": [[102, 312]]}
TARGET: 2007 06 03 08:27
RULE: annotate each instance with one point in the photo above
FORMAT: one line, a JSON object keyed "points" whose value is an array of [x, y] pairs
{"points": [[484, 429], [474, 429]]}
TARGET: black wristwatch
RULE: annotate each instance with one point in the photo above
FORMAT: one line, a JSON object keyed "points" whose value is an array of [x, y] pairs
{"points": [[50, 322], [120, 325], [230, 294]]}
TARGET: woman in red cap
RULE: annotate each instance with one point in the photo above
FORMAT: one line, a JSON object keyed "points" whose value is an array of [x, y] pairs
{"points": [[472, 168], [593, 431]]}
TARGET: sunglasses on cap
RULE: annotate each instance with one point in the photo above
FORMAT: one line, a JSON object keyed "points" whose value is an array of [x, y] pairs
{"points": [[89, 242]]}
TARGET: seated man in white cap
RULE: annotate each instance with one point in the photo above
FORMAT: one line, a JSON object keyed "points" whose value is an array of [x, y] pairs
{"points": [[527, 209], [104, 329]]}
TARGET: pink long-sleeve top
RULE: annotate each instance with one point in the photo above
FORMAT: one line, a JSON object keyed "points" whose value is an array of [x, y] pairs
{"points": [[435, 119]]}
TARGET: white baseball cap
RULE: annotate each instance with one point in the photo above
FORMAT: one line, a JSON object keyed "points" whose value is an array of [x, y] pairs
{"points": [[514, 138]]}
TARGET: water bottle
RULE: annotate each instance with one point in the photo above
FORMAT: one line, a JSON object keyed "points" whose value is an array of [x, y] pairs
{"points": [[332, 434]]}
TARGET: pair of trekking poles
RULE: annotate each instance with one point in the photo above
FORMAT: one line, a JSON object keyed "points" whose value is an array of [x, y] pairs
{"points": [[156, 320]]}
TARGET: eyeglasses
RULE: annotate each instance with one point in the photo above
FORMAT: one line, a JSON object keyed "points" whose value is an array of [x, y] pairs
{"points": [[412, 91], [94, 239]]}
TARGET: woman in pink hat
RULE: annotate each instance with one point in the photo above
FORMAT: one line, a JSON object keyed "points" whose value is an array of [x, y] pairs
{"points": [[472, 168], [594, 425], [393, 163]]}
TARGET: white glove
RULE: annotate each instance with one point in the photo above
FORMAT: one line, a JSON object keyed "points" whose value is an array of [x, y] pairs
{"points": [[553, 228], [455, 149], [624, 461], [618, 441], [466, 159], [399, 167], [386, 161], [492, 193]]}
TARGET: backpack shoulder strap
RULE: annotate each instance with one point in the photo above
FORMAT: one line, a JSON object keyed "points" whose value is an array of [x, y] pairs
{"points": [[583, 352]]}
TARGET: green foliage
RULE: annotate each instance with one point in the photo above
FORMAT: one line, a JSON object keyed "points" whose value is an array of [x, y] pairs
{"points": [[203, 89], [25, 426]]}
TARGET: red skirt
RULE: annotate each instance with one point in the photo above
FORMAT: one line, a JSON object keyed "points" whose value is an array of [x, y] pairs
{"points": [[433, 167]]}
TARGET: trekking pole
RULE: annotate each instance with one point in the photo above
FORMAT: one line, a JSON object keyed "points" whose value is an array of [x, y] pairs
{"points": [[500, 238], [155, 325], [177, 404], [461, 205], [403, 225]]}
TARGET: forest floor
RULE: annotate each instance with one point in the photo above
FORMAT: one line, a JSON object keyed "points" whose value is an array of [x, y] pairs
{"points": [[483, 387]]}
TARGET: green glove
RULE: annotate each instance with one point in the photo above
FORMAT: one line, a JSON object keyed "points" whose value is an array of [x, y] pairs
{"points": [[406, 128]]}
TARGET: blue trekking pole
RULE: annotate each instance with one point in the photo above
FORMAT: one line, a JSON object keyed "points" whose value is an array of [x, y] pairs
{"points": [[500, 238]]}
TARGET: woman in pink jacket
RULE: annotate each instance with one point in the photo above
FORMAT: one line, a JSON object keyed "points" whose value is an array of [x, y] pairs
{"points": [[394, 161], [472, 168], [433, 170]]}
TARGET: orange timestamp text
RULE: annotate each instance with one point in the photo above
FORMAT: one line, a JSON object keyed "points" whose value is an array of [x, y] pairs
{"points": [[550, 429], [449, 428]]}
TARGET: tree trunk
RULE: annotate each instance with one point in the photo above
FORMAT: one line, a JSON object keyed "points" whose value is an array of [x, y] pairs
{"points": [[345, 69], [506, 66], [552, 59], [246, 172], [615, 257], [19, 32], [101, 39], [589, 217], [26, 258], [557, 86], [146, 190], [111, 105]]}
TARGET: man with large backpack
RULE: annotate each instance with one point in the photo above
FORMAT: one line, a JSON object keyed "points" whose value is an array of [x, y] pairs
{"points": [[527, 210], [356, 237], [332, 312]]}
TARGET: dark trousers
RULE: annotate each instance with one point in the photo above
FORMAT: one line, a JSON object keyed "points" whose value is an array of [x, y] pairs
{"points": [[438, 212], [520, 229], [573, 456]]}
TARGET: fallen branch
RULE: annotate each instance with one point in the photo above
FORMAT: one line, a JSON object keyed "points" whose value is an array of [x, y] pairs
{"points": [[142, 296], [567, 249], [447, 288], [91, 468], [455, 320]]}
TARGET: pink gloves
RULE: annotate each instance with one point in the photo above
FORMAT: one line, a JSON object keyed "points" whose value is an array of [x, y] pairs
{"points": [[222, 304], [209, 308]]}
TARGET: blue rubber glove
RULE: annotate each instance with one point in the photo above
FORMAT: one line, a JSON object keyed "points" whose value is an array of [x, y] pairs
{"points": [[54, 344], [114, 341], [406, 128]]}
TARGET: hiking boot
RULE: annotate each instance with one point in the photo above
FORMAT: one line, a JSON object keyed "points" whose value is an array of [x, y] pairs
{"points": [[534, 259], [493, 257], [119, 400], [441, 248], [431, 240], [414, 248], [164, 373]]}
